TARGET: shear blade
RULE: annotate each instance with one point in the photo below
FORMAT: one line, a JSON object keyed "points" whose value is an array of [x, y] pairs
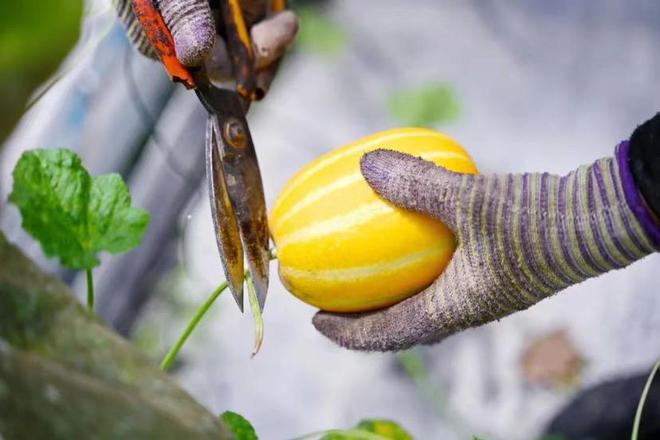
{"points": [[227, 231], [245, 190], [242, 179]]}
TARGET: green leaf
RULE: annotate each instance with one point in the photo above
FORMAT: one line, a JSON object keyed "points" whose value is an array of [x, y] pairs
{"points": [[385, 428], [370, 429], [33, 41], [352, 434], [239, 426], [426, 105], [72, 215], [319, 35], [114, 225]]}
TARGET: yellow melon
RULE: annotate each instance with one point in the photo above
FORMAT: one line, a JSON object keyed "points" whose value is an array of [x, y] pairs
{"points": [[343, 248]]}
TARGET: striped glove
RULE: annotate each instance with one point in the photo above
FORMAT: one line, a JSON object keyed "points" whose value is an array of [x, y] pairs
{"points": [[521, 239], [192, 25]]}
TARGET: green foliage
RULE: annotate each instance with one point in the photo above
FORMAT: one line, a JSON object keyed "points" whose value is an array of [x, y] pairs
{"points": [[371, 429], [34, 38], [385, 428], [239, 426], [73, 215], [318, 34], [33, 32], [352, 434], [425, 106]]}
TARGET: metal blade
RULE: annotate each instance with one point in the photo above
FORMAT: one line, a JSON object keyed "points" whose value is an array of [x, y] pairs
{"points": [[245, 188], [242, 177], [227, 231]]}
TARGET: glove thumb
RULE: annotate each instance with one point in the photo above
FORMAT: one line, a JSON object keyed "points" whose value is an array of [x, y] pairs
{"points": [[414, 183]]}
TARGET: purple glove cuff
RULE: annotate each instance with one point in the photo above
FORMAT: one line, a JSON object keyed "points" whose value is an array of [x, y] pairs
{"points": [[634, 199]]}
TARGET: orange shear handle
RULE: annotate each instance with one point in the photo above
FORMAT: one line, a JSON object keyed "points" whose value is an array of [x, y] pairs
{"points": [[161, 39]]}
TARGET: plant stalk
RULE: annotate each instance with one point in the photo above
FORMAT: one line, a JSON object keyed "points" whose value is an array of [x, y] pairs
{"points": [[642, 400], [174, 351], [256, 314], [90, 289], [258, 320]]}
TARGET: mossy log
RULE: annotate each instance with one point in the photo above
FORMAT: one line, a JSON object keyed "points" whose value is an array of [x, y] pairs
{"points": [[65, 375]]}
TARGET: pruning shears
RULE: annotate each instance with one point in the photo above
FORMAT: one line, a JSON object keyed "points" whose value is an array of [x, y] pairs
{"points": [[235, 186]]}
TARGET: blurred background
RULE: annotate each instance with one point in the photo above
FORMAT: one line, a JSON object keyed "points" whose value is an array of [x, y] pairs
{"points": [[526, 85]]}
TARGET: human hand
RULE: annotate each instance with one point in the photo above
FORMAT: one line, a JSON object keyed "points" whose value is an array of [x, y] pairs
{"points": [[521, 238], [193, 28]]}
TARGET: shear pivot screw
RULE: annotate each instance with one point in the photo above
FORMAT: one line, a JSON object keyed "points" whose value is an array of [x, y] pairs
{"points": [[234, 133]]}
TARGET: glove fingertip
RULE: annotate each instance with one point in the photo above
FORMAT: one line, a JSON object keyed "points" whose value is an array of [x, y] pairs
{"points": [[273, 36], [329, 325], [193, 29], [194, 44], [349, 330], [412, 183], [396, 176], [378, 167], [367, 331]]}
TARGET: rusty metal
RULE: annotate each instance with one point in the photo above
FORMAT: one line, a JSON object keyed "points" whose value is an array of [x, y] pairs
{"points": [[227, 233], [264, 77], [239, 46], [234, 158], [235, 186], [234, 133]]}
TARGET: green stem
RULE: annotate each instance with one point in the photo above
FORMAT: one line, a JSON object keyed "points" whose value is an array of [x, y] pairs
{"points": [[642, 400], [256, 314], [174, 351], [90, 289]]}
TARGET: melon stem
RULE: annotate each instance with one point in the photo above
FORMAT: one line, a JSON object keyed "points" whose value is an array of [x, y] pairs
{"points": [[201, 312]]}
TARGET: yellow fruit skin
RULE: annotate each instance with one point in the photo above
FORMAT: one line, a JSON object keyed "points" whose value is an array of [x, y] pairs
{"points": [[343, 248]]}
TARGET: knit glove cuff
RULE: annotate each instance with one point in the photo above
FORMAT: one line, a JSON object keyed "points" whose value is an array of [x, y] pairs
{"points": [[642, 212]]}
